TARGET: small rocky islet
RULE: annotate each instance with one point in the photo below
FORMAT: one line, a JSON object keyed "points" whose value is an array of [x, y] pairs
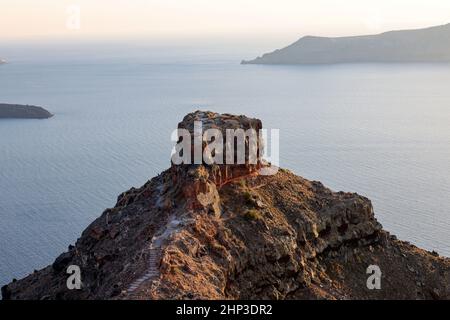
{"points": [[18, 111], [224, 231]]}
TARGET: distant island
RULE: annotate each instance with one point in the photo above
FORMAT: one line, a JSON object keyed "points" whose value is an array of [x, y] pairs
{"points": [[2, 61], [17, 111], [420, 45]]}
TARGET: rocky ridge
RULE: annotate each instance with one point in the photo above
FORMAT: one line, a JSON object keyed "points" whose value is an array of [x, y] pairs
{"points": [[427, 45], [227, 232], [17, 111]]}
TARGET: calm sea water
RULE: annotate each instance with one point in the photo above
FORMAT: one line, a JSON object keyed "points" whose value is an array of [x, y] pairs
{"points": [[380, 130]]}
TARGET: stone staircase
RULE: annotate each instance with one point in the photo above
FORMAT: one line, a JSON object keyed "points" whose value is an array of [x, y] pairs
{"points": [[151, 273]]}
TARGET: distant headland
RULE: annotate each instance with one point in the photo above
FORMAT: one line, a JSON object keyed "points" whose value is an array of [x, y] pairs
{"points": [[428, 45], [17, 111]]}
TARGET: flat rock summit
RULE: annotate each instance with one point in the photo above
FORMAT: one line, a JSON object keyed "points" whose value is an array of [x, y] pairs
{"points": [[224, 231]]}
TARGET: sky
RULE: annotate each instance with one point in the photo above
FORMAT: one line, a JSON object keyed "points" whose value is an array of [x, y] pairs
{"points": [[28, 19]]}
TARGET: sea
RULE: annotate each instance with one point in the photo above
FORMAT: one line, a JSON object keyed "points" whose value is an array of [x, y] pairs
{"points": [[381, 130]]}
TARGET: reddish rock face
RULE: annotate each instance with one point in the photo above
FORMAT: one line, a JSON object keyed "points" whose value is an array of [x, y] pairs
{"points": [[200, 181], [241, 148]]}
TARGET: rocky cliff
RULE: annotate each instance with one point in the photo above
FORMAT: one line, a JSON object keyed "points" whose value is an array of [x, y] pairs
{"points": [[17, 111], [227, 232]]}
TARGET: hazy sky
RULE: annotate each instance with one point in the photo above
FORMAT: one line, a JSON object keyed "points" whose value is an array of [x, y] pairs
{"points": [[21, 19]]}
